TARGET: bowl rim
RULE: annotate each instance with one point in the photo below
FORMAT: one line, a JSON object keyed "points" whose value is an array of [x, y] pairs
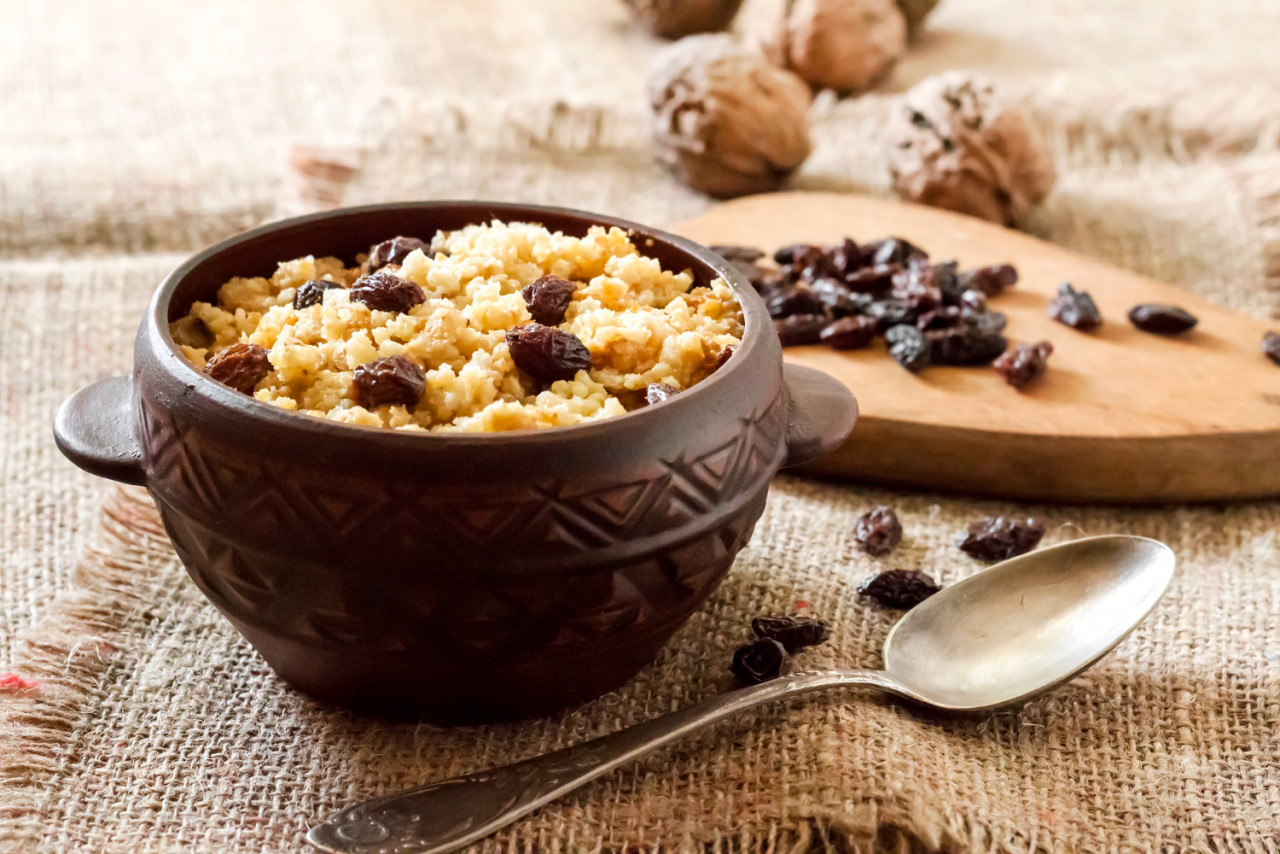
{"points": [[757, 329]]}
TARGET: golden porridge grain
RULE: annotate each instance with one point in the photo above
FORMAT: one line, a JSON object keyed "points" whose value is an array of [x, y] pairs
{"points": [[425, 337]]}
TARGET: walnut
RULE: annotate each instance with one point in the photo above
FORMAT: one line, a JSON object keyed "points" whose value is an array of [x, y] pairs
{"points": [[673, 19], [915, 11], [845, 45], [725, 120], [954, 144]]}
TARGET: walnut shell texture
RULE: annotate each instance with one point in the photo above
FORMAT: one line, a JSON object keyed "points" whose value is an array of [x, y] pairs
{"points": [[955, 144], [726, 121], [673, 19], [849, 46]]}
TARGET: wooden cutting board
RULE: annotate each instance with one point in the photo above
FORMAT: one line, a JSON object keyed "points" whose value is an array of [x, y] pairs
{"points": [[1121, 415]]}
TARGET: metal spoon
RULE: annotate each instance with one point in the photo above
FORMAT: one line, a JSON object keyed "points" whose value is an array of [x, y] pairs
{"points": [[993, 639]]}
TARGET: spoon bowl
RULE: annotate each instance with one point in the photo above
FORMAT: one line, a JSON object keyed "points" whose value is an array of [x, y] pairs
{"points": [[1027, 624], [994, 639]]}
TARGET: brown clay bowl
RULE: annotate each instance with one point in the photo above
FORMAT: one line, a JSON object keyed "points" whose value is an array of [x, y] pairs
{"points": [[458, 578]]}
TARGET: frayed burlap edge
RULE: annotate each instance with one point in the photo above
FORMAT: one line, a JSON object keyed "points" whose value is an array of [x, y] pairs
{"points": [[68, 651]]}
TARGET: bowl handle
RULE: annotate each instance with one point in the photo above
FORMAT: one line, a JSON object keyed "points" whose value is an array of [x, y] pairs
{"points": [[95, 429], [822, 413]]}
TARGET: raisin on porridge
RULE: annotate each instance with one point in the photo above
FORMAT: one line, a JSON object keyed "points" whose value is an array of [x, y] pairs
{"points": [[495, 327]]}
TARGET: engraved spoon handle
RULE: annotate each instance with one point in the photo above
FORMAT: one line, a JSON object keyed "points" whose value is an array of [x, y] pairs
{"points": [[446, 815]]}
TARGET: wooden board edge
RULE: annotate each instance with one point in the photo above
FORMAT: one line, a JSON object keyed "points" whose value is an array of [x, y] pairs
{"points": [[1077, 470]]}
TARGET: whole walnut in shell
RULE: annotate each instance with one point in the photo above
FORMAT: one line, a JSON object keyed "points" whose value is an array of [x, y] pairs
{"points": [[845, 45], [725, 120], [673, 19], [953, 143]]}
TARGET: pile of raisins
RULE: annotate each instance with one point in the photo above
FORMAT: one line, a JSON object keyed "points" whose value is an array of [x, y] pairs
{"points": [[846, 296]]}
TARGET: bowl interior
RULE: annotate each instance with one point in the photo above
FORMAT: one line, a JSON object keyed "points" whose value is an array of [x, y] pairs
{"points": [[348, 232]]}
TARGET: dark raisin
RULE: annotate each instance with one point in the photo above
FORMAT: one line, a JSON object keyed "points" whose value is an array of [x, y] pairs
{"points": [[787, 254], [878, 530], [986, 322], [888, 313], [892, 250], [1024, 363], [312, 292], [393, 251], [797, 299], [387, 292], [990, 280], [965, 345], [240, 366], [722, 358], [1001, 537], [1075, 308], [792, 632], [915, 287], [899, 588], [393, 381], [1161, 319], [1271, 346], [946, 278], [846, 258], [547, 353], [659, 392], [548, 298], [943, 317], [908, 347], [759, 661], [803, 262], [849, 333], [800, 329], [838, 300], [974, 300], [811, 263], [873, 280]]}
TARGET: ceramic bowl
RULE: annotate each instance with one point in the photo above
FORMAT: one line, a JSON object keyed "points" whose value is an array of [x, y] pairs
{"points": [[456, 578]]}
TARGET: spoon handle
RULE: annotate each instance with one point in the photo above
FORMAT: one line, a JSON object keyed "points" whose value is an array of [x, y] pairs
{"points": [[446, 815]]}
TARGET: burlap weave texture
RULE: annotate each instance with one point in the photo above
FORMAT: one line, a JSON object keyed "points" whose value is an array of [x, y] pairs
{"points": [[156, 728], [161, 730]]}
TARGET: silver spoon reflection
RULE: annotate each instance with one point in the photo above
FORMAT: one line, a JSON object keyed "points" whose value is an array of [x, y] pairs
{"points": [[994, 639]]}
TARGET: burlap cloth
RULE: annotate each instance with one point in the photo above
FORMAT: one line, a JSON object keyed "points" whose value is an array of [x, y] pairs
{"points": [[142, 131]]}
